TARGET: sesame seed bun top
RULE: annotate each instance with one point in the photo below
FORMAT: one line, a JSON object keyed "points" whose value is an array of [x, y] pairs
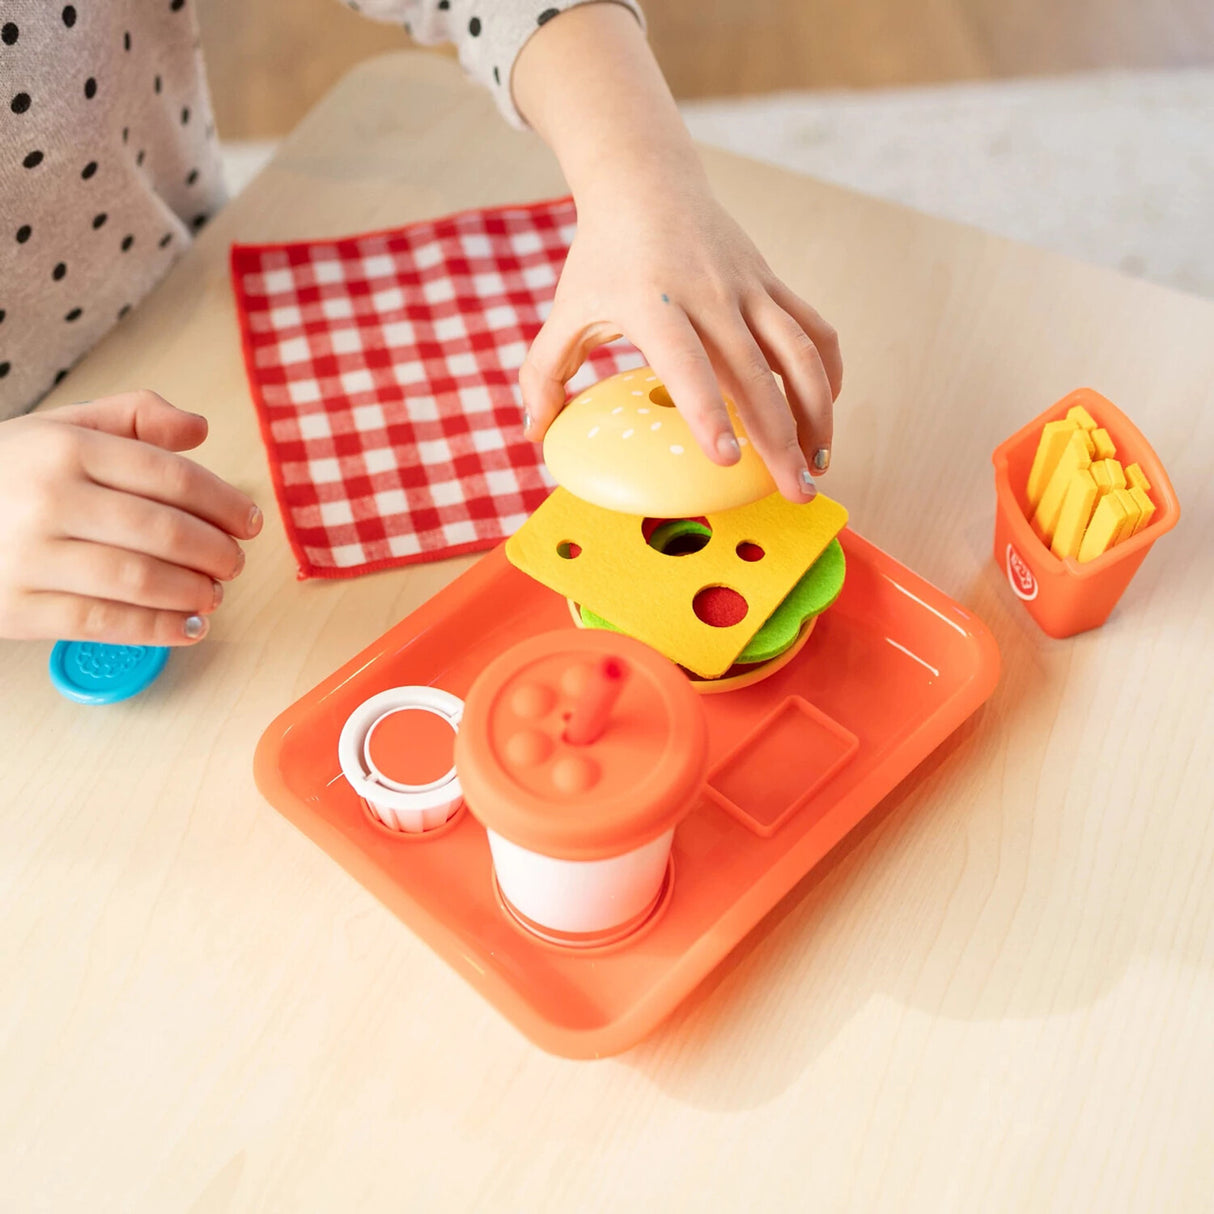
{"points": [[622, 445]]}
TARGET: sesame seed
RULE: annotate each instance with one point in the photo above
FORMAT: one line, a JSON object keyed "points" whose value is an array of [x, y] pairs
{"points": [[676, 450], [628, 433]]}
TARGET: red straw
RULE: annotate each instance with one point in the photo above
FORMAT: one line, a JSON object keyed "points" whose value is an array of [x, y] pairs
{"points": [[593, 709]]}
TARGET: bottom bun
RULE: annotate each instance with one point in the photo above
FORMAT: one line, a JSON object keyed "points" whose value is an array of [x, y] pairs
{"points": [[737, 676]]}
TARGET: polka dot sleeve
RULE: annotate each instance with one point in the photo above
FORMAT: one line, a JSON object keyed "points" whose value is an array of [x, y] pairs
{"points": [[489, 34]]}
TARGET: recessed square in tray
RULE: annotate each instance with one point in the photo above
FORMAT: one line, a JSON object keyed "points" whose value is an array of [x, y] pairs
{"points": [[780, 764]]}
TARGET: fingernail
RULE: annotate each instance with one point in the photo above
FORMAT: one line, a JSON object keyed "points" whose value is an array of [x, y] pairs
{"points": [[216, 594], [822, 459], [239, 562], [194, 627], [526, 421], [727, 447], [255, 520], [807, 484]]}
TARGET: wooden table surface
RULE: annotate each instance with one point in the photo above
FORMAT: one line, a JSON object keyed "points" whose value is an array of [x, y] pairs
{"points": [[998, 994]]}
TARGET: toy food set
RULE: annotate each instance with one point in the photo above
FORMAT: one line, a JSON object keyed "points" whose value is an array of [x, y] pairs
{"points": [[672, 692], [384, 370], [1081, 497]]}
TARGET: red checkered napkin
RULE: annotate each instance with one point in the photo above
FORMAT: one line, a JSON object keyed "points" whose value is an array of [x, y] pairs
{"points": [[384, 369]]}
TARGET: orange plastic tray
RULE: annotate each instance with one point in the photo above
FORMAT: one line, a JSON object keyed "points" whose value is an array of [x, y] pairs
{"points": [[799, 759]]}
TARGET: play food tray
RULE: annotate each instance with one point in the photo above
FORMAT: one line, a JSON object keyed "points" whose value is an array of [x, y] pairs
{"points": [[797, 761]]}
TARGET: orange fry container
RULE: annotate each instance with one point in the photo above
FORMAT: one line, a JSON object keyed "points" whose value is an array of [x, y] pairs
{"points": [[1062, 595]]}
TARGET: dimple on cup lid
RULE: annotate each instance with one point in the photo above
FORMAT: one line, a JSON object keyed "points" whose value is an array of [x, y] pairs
{"points": [[91, 673], [526, 782], [397, 749]]}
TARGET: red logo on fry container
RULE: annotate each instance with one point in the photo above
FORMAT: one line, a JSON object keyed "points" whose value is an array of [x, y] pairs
{"points": [[1020, 576]]}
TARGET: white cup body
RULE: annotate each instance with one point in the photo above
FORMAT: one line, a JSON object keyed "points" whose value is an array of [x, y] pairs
{"points": [[578, 896], [411, 820]]}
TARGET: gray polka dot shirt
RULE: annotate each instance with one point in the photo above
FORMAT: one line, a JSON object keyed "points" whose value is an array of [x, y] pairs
{"points": [[109, 161]]}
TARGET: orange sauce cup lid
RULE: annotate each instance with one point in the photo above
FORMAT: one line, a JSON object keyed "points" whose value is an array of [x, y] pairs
{"points": [[524, 781], [411, 748]]}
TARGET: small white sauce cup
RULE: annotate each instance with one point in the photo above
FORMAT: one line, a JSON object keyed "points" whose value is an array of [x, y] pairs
{"points": [[408, 808]]}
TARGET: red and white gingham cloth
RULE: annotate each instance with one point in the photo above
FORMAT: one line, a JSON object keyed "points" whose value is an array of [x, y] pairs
{"points": [[384, 369]]}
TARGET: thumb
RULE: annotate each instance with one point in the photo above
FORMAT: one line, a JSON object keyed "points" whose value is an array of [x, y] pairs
{"points": [[557, 352], [141, 415]]}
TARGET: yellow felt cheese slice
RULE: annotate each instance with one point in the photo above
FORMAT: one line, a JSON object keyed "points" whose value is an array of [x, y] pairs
{"points": [[1105, 447], [650, 595], [1074, 457], [1076, 513], [1054, 438], [1106, 522], [1081, 417], [1146, 507]]}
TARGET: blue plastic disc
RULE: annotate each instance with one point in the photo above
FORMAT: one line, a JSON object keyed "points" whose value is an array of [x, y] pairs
{"points": [[104, 674]]}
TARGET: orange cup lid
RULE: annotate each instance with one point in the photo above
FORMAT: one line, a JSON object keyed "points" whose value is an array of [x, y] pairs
{"points": [[410, 747], [522, 779]]}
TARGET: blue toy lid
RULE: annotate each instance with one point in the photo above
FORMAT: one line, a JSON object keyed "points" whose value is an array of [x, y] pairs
{"points": [[104, 674]]}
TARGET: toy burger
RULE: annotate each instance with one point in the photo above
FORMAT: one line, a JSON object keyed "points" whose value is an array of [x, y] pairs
{"points": [[645, 535]]}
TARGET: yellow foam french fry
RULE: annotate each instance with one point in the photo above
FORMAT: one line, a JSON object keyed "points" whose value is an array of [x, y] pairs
{"points": [[1074, 457], [1146, 507], [1053, 441], [1076, 513], [1081, 417], [1105, 447], [1134, 475], [1132, 514], [1106, 522], [1109, 475]]}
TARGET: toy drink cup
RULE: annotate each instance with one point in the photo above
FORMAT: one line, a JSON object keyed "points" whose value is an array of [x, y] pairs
{"points": [[397, 751], [579, 752]]}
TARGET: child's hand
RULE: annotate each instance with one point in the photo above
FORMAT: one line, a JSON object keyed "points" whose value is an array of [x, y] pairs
{"points": [[681, 281], [105, 535]]}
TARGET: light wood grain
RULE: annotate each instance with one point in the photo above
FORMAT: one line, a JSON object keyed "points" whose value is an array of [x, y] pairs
{"points": [[997, 996], [270, 60]]}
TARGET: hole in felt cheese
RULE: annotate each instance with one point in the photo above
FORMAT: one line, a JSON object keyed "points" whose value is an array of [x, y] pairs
{"points": [[649, 596], [677, 536], [749, 552], [567, 550], [719, 606]]}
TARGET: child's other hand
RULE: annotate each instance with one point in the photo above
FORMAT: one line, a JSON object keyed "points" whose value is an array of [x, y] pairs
{"points": [[105, 533], [671, 271]]}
